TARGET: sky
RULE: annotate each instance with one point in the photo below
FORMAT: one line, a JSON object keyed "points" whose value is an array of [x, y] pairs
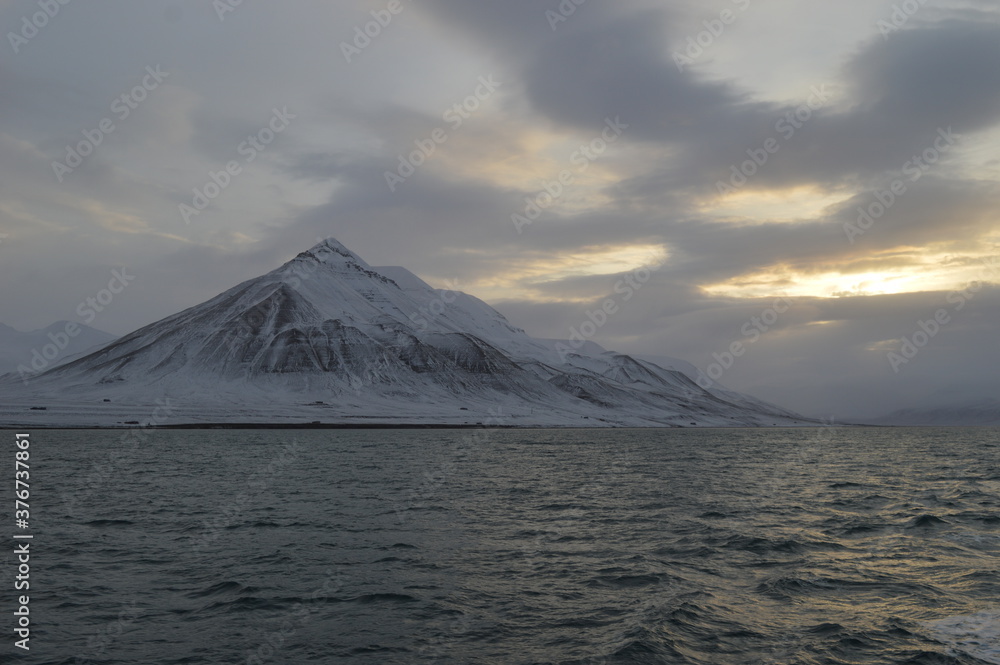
{"points": [[800, 198]]}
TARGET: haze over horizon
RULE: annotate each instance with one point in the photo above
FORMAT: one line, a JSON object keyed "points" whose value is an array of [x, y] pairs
{"points": [[816, 185]]}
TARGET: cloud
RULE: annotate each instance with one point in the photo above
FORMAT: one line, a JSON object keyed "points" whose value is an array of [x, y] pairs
{"points": [[653, 191]]}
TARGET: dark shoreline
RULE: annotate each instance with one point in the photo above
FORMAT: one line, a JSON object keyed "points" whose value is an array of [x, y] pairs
{"points": [[439, 426]]}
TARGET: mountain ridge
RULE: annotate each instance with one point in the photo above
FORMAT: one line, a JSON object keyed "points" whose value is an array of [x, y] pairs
{"points": [[66, 339], [326, 337]]}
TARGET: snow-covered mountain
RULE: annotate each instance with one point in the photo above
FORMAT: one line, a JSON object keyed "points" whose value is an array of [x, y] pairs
{"points": [[42, 349], [327, 338]]}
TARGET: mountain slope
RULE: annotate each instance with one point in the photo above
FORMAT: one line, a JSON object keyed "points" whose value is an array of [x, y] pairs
{"points": [[328, 338], [19, 348]]}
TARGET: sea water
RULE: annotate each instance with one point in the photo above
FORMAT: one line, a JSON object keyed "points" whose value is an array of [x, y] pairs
{"points": [[712, 547]]}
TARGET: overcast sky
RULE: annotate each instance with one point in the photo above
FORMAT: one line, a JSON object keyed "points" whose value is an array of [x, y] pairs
{"points": [[734, 142]]}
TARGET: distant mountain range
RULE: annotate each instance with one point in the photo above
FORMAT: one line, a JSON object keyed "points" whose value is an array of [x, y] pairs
{"points": [[985, 412], [39, 350], [327, 338]]}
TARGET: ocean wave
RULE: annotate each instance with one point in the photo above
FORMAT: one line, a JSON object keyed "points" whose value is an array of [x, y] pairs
{"points": [[977, 635]]}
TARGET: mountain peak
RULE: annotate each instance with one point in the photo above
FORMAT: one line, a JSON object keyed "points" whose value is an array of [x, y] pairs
{"points": [[333, 245], [331, 251], [330, 243]]}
